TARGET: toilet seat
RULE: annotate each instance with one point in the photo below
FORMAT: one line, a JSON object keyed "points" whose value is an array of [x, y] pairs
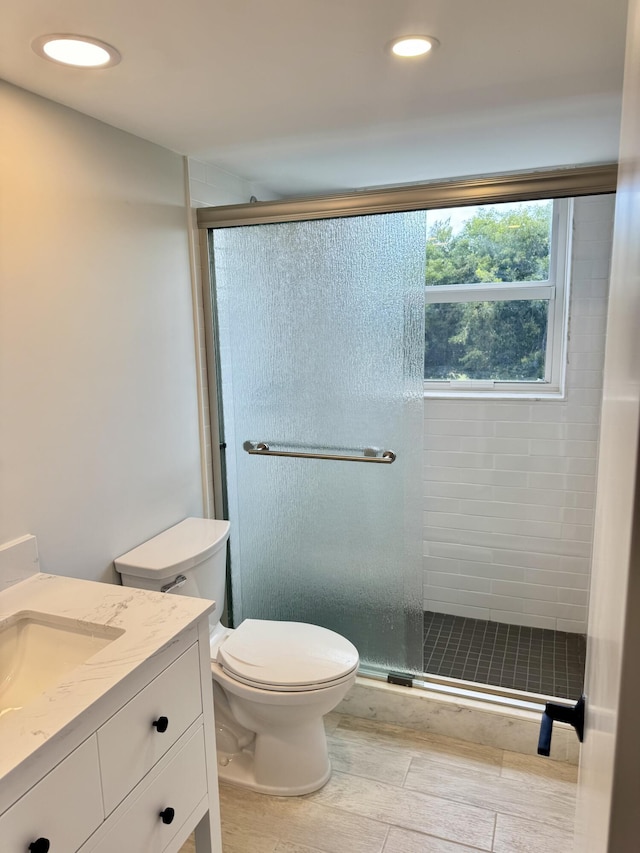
{"points": [[286, 656]]}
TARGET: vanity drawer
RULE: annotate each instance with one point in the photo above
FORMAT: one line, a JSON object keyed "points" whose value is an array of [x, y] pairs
{"points": [[65, 807], [135, 738], [180, 786]]}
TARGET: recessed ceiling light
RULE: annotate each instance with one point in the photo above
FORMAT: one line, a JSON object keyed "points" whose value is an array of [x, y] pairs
{"points": [[413, 45], [79, 51]]}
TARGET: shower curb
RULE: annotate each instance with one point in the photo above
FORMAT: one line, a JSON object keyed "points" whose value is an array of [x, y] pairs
{"points": [[475, 720]]}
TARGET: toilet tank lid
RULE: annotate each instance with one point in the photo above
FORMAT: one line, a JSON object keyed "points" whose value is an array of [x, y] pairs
{"points": [[179, 548]]}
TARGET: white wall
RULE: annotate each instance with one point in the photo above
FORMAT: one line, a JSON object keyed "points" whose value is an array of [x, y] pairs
{"points": [[607, 815], [510, 485], [99, 444], [211, 186]]}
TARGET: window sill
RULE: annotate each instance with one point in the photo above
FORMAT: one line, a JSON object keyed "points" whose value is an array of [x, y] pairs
{"points": [[491, 394]]}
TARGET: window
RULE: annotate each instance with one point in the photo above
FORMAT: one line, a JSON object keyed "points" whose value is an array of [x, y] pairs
{"points": [[496, 296]]}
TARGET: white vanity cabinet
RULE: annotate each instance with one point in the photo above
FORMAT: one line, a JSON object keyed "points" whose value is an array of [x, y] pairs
{"points": [[163, 810], [132, 741], [139, 772], [39, 821]]}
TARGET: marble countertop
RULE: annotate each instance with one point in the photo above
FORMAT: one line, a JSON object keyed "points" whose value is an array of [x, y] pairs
{"points": [[150, 623]]}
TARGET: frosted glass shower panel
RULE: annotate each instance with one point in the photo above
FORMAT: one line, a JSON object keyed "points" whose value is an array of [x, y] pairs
{"points": [[321, 347]]}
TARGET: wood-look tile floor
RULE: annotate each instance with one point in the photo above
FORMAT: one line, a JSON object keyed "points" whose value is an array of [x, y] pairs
{"points": [[394, 790]]}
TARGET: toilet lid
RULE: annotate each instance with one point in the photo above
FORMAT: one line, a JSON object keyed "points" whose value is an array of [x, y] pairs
{"points": [[291, 655]]}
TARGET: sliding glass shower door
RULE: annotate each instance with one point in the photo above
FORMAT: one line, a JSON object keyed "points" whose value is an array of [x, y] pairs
{"points": [[320, 328]]}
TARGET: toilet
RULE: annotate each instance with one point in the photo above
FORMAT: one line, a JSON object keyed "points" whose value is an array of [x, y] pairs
{"points": [[272, 681]]}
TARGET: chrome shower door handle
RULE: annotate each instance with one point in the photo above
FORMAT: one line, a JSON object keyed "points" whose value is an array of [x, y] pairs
{"points": [[261, 448]]}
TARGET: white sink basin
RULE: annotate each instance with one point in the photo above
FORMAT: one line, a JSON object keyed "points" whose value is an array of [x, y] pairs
{"points": [[37, 650]]}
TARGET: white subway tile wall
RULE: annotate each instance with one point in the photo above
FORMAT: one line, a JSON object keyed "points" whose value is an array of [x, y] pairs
{"points": [[509, 486]]}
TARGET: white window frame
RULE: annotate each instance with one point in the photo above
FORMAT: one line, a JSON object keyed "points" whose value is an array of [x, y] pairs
{"points": [[555, 289]]}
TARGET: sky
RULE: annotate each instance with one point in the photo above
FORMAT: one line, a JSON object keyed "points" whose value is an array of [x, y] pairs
{"points": [[459, 215]]}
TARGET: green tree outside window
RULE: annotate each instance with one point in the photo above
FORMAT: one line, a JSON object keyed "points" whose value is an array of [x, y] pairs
{"points": [[488, 340]]}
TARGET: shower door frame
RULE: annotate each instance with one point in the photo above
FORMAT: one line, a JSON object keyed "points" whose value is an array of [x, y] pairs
{"points": [[558, 183]]}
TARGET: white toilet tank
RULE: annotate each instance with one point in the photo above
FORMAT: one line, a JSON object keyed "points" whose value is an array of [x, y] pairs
{"points": [[192, 555]]}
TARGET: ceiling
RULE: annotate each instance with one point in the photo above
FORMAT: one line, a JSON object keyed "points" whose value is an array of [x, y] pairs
{"points": [[302, 96]]}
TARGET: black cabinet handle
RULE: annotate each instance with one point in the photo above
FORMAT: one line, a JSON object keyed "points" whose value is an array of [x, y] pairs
{"points": [[553, 711], [41, 845], [161, 724], [167, 815]]}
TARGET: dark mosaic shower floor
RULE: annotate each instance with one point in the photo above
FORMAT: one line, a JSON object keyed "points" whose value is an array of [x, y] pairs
{"points": [[536, 660]]}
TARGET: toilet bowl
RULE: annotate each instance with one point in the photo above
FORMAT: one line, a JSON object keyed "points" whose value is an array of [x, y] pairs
{"points": [[272, 681]]}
